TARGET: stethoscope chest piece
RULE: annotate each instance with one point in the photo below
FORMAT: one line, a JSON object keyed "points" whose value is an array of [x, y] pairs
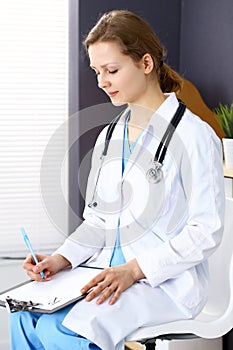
{"points": [[155, 175]]}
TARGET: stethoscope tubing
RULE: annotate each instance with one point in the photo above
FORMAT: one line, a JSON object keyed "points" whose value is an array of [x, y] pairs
{"points": [[159, 154], [109, 133], [163, 146]]}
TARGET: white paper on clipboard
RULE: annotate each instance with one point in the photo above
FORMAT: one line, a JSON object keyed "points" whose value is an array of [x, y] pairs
{"points": [[61, 290]]}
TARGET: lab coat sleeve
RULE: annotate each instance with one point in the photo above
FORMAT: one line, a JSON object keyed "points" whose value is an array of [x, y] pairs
{"points": [[89, 237], [203, 229], [83, 243]]}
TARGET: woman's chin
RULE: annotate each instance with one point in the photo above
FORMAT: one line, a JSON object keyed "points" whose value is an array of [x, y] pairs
{"points": [[118, 103]]}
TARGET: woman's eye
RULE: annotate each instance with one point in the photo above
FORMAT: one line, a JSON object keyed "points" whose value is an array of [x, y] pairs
{"points": [[113, 71]]}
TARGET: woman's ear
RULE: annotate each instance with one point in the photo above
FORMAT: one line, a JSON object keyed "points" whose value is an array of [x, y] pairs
{"points": [[148, 63]]}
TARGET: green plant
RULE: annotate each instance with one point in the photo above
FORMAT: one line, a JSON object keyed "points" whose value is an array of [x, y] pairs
{"points": [[225, 118]]}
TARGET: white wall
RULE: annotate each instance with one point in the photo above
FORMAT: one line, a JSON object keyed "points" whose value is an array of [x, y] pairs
{"points": [[11, 273]]}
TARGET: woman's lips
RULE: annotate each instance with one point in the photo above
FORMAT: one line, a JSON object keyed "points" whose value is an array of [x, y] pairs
{"points": [[112, 94]]}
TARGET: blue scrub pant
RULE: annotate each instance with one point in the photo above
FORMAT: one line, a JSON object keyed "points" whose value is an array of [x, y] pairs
{"points": [[36, 331]]}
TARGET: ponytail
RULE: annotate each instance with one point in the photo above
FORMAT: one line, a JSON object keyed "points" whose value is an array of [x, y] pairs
{"points": [[169, 79]]}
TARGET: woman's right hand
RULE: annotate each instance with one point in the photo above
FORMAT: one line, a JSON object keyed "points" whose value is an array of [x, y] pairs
{"points": [[48, 264]]}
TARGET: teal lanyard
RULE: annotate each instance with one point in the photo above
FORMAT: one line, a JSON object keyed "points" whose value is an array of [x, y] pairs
{"points": [[127, 149]]}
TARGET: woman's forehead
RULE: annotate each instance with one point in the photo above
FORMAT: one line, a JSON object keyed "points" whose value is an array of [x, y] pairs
{"points": [[106, 53]]}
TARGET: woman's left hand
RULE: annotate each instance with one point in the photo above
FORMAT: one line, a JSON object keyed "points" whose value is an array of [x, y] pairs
{"points": [[112, 281]]}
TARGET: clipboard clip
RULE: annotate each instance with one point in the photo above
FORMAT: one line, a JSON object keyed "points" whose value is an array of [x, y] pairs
{"points": [[14, 305]]}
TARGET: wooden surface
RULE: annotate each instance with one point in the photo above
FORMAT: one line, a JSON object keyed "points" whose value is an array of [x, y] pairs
{"points": [[228, 172], [134, 346], [193, 100]]}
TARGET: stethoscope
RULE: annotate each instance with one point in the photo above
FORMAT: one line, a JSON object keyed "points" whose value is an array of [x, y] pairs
{"points": [[155, 173]]}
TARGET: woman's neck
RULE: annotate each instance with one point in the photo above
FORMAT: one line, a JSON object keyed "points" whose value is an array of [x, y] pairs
{"points": [[140, 115]]}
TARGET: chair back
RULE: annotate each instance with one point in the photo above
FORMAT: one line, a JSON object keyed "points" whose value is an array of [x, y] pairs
{"points": [[221, 269], [194, 101], [216, 319]]}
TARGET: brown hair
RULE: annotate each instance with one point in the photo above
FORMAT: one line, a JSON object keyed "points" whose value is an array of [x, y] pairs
{"points": [[136, 38]]}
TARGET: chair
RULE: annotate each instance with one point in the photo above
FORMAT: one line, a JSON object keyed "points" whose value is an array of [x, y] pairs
{"points": [[192, 98], [216, 319]]}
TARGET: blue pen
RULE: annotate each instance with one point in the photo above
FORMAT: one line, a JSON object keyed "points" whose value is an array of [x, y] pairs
{"points": [[28, 244]]}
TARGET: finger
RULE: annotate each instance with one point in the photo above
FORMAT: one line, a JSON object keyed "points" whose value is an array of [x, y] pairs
{"points": [[96, 291], [88, 286], [106, 294], [115, 297], [28, 263], [92, 283], [38, 268], [42, 265], [28, 259], [37, 277]]}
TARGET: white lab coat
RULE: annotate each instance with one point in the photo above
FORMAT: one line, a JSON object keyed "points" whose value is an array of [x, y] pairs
{"points": [[170, 228]]}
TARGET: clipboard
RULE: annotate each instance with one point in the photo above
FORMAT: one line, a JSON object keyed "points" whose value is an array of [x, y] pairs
{"points": [[48, 297]]}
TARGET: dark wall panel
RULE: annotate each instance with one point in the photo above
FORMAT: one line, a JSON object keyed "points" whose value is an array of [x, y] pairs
{"points": [[206, 48]]}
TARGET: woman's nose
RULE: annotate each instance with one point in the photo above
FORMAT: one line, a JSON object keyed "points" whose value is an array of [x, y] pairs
{"points": [[103, 82]]}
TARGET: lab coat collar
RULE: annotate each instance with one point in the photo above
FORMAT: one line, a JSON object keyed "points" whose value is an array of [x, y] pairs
{"points": [[167, 109]]}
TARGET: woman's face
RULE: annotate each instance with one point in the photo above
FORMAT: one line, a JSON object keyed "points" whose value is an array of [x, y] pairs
{"points": [[118, 75]]}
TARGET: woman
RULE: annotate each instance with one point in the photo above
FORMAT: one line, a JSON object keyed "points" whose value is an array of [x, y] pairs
{"points": [[152, 237]]}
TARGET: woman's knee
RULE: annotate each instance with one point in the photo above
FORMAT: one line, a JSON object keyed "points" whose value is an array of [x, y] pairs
{"points": [[49, 327], [44, 327], [53, 335], [22, 330], [23, 319]]}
